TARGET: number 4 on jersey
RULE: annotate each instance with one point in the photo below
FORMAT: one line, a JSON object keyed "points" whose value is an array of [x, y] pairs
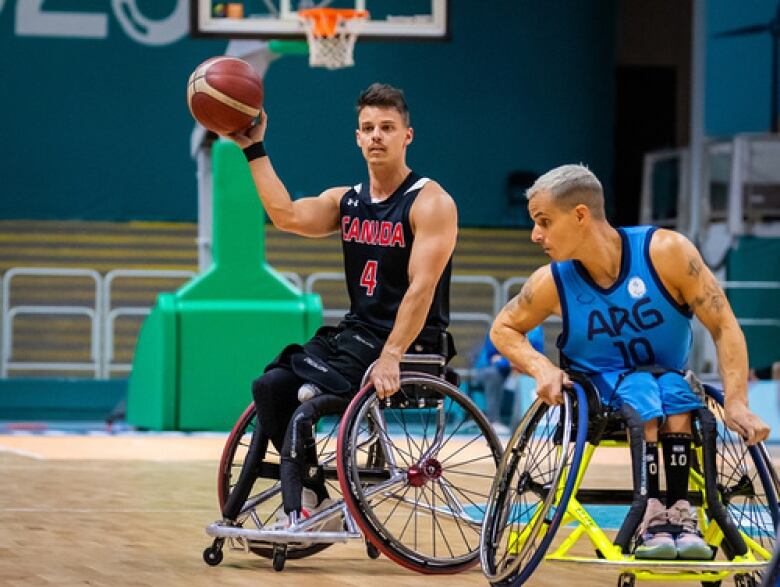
{"points": [[368, 278]]}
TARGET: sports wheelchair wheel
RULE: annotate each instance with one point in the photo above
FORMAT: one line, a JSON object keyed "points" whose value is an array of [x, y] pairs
{"points": [[746, 480], [265, 498], [415, 472], [532, 488]]}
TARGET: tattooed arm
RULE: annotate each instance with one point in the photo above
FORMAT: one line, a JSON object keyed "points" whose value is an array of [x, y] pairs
{"points": [[690, 281], [536, 301]]}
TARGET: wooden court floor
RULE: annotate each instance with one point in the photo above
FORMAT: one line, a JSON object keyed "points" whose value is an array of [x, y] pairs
{"points": [[120, 511]]}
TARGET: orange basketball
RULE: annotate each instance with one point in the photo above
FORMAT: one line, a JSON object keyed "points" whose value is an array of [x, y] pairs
{"points": [[225, 94]]}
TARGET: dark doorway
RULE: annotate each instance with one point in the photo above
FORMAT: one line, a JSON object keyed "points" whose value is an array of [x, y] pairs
{"points": [[644, 121]]}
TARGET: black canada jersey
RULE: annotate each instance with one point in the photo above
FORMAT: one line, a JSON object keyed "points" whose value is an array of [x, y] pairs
{"points": [[377, 241]]}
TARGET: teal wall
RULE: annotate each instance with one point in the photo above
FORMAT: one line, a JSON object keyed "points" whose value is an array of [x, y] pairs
{"points": [[738, 69], [98, 128], [747, 261]]}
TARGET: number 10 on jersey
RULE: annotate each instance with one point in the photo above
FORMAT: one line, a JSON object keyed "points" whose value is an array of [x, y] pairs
{"points": [[368, 278]]}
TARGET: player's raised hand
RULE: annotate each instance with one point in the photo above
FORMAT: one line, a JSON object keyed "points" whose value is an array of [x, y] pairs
{"points": [[251, 134]]}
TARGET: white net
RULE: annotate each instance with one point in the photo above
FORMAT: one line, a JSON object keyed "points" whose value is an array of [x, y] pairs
{"points": [[332, 37]]}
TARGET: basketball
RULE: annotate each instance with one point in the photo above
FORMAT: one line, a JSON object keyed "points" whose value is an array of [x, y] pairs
{"points": [[225, 94]]}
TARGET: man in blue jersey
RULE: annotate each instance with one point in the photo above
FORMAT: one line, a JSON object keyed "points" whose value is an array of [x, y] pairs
{"points": [[626, 297]]}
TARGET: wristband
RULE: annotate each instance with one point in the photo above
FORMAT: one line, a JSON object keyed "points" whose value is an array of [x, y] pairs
{"points": [[255, 151]]}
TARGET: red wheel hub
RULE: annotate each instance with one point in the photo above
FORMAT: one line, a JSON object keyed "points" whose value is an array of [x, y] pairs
{"points": [[419, 474]]}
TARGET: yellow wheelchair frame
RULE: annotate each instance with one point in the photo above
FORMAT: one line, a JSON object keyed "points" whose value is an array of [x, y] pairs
{"points": [[526, 545]]}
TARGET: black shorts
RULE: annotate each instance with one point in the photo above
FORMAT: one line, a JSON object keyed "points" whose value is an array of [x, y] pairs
{"points": [[349, 349]]}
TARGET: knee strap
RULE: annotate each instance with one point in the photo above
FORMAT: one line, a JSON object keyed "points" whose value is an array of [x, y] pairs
{"points": [[636, 434], [717, 511]]}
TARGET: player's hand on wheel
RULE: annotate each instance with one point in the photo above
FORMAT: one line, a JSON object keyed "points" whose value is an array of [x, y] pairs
{"points": [[385, 376], [748, 425], [251, 134], [549, 385]]}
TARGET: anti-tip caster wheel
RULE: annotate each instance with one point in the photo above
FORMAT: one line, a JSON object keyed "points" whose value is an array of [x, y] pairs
{"points": [[279, 558], [626, 580], [372, 551], [213, 555]]}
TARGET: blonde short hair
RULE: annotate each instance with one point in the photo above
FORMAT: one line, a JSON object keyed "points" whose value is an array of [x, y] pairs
{"points": [[571, 185]]}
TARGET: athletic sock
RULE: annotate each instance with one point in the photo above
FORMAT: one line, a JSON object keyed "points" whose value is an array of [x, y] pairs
{"points": [[677, 465], [651, 469]]}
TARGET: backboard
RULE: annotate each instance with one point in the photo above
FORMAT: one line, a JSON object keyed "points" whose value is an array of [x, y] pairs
{"points": [[278, 19]]}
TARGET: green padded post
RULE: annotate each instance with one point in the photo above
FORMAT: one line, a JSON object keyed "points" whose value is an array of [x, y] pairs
{"points": [[201, 347]]}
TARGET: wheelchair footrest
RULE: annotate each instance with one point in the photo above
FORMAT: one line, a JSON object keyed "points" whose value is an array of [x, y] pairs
{"points": [[632, 564], [218, 530], [287, 536]]}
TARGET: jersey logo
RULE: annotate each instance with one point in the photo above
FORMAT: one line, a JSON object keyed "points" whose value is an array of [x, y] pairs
{"points": [[373, 232], [351, 202], [636, 288]]}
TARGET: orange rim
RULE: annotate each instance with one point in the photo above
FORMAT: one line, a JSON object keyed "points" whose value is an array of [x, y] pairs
{"points": [[325, 20]]}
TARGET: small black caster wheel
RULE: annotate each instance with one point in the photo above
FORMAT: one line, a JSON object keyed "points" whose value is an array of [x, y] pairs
{"points": [[213, 556], [626, 580], [372, 551], [279, 558]]}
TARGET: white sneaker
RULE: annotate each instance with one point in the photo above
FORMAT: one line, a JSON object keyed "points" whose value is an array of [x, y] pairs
{"points": [[689, 543], [654, 541], [309, 508]]}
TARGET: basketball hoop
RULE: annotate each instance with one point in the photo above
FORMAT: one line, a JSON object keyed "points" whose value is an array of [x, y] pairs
{"points": [[331, 34]]}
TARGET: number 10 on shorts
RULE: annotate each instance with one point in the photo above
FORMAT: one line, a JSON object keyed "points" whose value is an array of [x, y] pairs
{"points": [[368, 278]]}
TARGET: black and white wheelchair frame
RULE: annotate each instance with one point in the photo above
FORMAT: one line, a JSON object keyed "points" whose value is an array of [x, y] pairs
{"points": [[538, 492], [409, 475]]}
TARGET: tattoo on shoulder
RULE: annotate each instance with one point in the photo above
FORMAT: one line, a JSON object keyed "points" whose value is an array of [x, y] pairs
{"points": [[711, 297], [694, 267], [527, 292]]}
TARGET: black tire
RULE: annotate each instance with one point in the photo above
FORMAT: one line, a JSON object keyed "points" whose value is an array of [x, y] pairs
{"points": [[212, 556], [747, 483], [231, 464], [418, 497], [520, 499], [279, 558]]}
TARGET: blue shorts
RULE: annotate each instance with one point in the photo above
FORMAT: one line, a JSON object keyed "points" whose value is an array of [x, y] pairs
{"points": [[651, 396]]}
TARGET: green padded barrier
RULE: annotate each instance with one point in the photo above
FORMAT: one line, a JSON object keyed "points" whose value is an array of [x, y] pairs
{"points": [[757, 259], [201, 347]]}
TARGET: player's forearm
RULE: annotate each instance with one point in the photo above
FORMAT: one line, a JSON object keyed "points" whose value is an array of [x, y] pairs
{"points": [[272, 193], [732, 361], [514, 345], [409, 320]]}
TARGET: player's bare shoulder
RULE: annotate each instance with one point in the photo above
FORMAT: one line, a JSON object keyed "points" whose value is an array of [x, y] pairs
{"points": [[433, 203], [674, 256], [335, 194]]}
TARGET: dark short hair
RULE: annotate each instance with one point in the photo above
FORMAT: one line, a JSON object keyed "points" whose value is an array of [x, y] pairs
{"points": [[384, 96]]}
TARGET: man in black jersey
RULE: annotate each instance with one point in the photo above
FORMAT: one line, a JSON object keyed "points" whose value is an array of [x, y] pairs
{"points": [[398, 232]]}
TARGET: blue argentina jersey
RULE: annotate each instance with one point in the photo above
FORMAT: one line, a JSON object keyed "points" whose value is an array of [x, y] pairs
{"points": [[633, 323]]}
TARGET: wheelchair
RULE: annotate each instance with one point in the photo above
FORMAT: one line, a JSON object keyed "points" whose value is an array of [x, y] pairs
{"points": [[539, 491], [408, 475]]}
